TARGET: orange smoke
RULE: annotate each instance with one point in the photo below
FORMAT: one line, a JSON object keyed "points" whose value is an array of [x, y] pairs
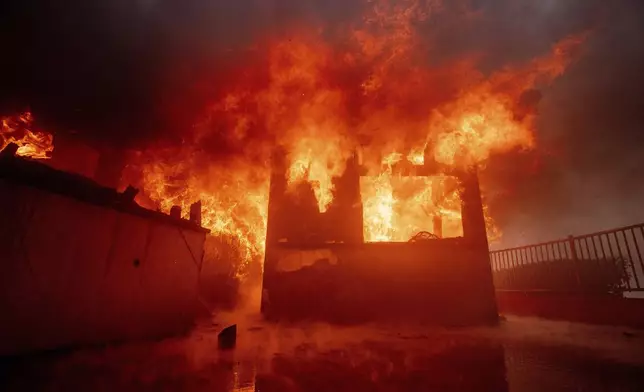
{"points": [[18, 130]]}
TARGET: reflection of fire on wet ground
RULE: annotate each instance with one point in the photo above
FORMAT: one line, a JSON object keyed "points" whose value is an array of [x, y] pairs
{"points": [[520, 355]]}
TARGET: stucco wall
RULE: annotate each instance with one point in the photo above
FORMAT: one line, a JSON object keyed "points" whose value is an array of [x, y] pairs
{"points": [[75, 273], [440, 283]]}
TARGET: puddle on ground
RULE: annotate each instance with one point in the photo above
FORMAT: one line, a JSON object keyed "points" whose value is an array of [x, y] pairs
{"points": [[325, 358]]}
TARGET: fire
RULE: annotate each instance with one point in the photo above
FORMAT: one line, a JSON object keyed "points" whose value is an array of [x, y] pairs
{"points": [[18, 130], [378, 207], [306, 114], [486, 118], [321, 102], [234, 196], [417, 157], [314, 161], [395, 207]]}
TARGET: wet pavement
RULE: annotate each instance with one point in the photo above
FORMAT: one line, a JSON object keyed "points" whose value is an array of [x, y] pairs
{"points": [[519, 355]]}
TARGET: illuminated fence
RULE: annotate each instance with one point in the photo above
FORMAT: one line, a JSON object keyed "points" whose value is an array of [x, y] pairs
{"points": [[607, 262]]}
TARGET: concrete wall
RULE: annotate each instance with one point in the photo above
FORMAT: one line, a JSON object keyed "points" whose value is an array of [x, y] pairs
{"points": [[75, 273], [441, 282], [576, 307]]}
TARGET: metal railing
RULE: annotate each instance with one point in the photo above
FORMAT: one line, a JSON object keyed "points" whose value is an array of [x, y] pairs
{"points": [[608, 262]]}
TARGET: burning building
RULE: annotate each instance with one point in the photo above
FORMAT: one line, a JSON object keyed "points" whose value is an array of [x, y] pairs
{"points": [[331, 265], [375, 146], [378, 136]]}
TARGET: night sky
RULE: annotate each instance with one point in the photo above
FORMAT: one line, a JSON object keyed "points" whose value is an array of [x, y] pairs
{"points": [[129, 72]]}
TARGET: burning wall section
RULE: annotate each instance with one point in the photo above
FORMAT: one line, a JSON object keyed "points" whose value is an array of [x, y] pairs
{"points": [[321, 258]]}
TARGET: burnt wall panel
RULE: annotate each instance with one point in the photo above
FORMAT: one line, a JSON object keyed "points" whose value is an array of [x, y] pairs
{"points": [[122, 285], [441, 283], [76, 273], [47, 268], [171, 269]]}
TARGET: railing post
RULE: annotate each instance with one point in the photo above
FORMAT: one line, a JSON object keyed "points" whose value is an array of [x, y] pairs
{"points": [[575, 260]]}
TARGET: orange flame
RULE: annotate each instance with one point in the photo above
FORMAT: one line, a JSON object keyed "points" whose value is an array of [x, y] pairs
{"points": [[396, 207], [234, 195], [306, 114], [18, 130], [483, 120], [405, 109]]}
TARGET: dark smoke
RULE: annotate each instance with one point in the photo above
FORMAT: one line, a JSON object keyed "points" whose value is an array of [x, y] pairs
{"points": [[586, 174], [127, 73]]}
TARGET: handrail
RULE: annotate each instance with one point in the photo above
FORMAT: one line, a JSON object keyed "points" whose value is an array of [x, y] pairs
{"points": [[610, 260]]}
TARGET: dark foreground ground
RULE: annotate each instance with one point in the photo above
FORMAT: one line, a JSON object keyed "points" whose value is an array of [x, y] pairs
{"points": [[520, 355]]}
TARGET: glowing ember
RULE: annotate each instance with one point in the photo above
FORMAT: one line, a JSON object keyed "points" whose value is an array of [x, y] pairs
{"points": [[18, 130]]}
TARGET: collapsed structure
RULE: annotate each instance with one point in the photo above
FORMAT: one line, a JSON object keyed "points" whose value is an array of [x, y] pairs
{"points": [[318, 265]]}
